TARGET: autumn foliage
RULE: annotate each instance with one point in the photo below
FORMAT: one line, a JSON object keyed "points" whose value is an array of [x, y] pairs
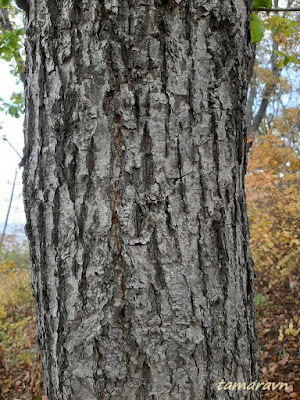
{"points": [[20, 372], [273, 193]]}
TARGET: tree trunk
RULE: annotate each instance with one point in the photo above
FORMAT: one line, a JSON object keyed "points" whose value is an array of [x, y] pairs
{"points": [[134, 165]]}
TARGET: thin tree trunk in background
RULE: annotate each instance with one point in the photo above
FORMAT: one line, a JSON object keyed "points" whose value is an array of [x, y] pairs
{"points": [[134, 170], [8, 210], [255, 119]]}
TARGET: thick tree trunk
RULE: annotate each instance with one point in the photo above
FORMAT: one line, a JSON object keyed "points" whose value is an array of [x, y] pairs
{"points": [[134, 192]]}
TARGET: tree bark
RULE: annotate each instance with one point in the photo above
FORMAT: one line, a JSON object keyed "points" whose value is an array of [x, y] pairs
{"points": [[134, 163]]}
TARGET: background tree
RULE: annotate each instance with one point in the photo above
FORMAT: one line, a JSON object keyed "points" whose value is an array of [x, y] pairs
{"points": [[273, 200], [274, 55], [273, 170]]}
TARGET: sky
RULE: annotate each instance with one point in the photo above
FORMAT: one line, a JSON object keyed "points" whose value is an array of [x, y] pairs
{"points": [[12, 128]]}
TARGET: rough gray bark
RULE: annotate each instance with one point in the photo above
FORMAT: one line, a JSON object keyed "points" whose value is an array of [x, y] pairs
{"points": [[134, 170]]}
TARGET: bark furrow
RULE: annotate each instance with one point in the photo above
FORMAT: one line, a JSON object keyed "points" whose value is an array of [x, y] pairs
{"points": [[135, 155]]}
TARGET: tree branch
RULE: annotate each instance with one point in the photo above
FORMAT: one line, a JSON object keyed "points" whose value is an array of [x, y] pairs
{"points": [[4, 138], [268, 90], [265, 98], [250, 101], [276, 9], [5, 24]]}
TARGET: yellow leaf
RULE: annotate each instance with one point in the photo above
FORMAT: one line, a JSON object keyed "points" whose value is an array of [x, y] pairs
{"points": [[280, 336]]}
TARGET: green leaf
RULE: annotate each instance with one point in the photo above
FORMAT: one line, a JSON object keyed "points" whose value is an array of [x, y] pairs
{"points": [[4, 3], [280, 64], [286, 60], [10, 44], [293, 59], [262, 3], [15, 107], [257, 29]]}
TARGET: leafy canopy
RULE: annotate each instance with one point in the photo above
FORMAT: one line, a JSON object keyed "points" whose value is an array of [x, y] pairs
{"points": [[257, 28], [256, 25], [262, 3]]}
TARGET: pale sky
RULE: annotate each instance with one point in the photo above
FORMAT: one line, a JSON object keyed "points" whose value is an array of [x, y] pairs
{"points": [[12, 128]]}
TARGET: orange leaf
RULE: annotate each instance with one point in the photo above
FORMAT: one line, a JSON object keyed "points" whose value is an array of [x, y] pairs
{"points": [[289, 389], [283, 361], [265, 331], [269, 346], [273, 368]]}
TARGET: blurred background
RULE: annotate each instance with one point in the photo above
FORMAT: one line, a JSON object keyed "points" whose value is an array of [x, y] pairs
{"points": [[273, 195]]}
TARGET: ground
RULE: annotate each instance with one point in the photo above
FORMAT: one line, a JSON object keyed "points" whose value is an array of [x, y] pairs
{"points": [[278, 327]]}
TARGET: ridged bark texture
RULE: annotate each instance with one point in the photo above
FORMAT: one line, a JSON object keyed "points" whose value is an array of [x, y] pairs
{"points": [[134, 168]]}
